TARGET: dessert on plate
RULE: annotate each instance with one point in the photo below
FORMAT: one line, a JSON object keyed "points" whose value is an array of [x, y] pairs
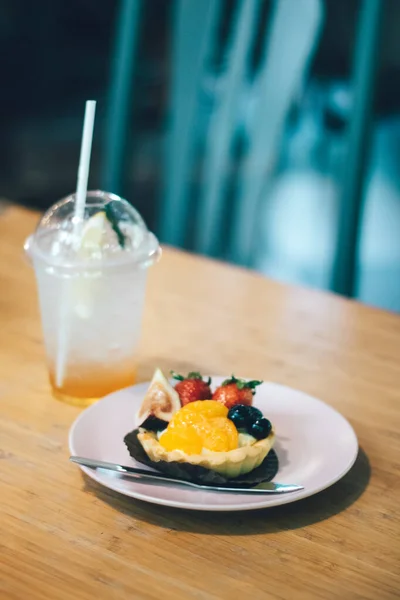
{"points": [[191, 427]]}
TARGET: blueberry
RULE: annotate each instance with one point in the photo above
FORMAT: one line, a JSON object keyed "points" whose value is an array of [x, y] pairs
{"points": [[253, 415], [261, 429], [244, 416], [239, 415]]}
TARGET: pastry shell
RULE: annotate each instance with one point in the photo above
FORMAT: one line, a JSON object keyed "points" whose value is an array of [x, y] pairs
{"points": [[229, 464]]}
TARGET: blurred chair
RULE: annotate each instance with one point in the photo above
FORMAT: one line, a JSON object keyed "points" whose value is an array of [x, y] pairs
{"points": [[359, 148], [121, 78], [194, 33], [288, 46]]}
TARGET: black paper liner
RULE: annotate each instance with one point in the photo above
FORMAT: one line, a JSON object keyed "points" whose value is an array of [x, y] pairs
{"points": [[265, 472]]}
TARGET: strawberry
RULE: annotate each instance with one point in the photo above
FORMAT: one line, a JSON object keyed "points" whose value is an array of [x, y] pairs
{"points": [[192, 387], [235, 391]]}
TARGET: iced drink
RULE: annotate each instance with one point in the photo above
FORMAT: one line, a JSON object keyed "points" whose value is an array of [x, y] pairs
{"points": [[91, 279]]}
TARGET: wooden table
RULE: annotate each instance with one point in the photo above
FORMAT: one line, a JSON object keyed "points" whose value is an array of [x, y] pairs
{"points": [[64, 537]]}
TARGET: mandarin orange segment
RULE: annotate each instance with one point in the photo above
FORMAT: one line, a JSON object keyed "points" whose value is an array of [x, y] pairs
{"points": [[207, 408], [183, 417], [183, 438], [198, 425], [222, 435]]}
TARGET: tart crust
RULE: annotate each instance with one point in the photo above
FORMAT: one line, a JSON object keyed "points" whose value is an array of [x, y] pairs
{"points": [[230, 464]]}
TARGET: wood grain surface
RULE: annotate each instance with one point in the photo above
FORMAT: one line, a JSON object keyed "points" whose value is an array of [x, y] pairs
{"points": [[63, 537]]}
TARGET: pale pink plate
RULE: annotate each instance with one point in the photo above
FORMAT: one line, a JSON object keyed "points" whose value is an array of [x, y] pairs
{"points": [[316, 446]]}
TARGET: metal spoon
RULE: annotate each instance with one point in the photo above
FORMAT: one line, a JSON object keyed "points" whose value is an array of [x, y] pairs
{"points": [[268, 487]]}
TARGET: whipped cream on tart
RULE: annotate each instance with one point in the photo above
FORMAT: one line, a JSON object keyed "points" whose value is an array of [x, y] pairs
{"points": [[230, 441]]}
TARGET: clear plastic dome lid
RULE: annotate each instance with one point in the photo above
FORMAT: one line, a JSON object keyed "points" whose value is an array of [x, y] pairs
{"points": [[111, 233]]}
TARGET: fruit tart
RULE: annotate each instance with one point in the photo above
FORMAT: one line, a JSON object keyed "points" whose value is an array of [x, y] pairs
{"points": [[228, 438]]}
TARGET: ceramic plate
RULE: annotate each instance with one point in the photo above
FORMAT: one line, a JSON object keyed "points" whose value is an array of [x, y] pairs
{"points": [[315, 445]]}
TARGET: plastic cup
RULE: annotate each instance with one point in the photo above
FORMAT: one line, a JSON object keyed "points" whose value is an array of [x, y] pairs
{"points": [[91, 293]]}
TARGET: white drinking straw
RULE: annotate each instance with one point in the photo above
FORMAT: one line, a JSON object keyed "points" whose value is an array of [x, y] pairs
{"points": [[79, 213], [83, 169]]}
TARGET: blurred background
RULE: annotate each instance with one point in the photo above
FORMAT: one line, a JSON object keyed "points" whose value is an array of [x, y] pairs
{"points": [[265, 133]]}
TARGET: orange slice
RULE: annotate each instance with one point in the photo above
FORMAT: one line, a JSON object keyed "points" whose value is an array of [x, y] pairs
{"points": [[198, 425]]}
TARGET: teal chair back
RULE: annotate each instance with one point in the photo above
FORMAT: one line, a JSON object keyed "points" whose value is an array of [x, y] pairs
{"points": [[288, 45], [123, 61]]}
